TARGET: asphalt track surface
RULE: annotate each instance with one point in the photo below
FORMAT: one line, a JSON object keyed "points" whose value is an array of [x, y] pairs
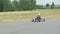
{"points": [[48, 27]]}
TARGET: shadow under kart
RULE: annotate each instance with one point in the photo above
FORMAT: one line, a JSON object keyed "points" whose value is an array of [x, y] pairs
{"points": [[38, 20]]}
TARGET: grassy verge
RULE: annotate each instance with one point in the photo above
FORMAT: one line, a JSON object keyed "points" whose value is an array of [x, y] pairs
{"points": [[28, 15]]}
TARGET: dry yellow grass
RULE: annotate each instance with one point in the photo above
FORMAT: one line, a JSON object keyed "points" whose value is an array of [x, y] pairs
{"points": [[28, 15]]}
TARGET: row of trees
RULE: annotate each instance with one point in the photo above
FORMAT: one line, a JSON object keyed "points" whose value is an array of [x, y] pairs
{"points": [[47, 6], [52, 5], [7, 5]]}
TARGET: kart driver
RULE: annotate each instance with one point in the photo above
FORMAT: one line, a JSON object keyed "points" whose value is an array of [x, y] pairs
{"points": [[38, 16]]}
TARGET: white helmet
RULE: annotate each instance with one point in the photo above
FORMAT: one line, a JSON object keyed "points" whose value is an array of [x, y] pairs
{"points": [[39, 14]]}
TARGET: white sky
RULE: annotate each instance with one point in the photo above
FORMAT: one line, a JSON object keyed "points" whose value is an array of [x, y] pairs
{"points": [[43, 2]]}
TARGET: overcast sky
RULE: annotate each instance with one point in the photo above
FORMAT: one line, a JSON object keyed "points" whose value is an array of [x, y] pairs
{"points": [[43, 2]]}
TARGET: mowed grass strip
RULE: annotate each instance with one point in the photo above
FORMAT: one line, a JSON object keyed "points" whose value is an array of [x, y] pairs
{"points": [[28, 15], [16, 16]]}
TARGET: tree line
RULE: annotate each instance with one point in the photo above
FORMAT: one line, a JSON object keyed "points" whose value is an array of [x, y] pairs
{"points": [[47, 6], [7, 5]]}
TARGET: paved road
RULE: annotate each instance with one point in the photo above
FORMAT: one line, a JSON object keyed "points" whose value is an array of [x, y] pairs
{"points": [[48, 27]]}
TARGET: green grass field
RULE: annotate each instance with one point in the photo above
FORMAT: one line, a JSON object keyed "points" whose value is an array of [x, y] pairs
{"points": [[28, 15]]}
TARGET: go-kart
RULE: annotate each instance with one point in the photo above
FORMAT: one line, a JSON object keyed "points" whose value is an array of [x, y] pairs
{"points": [[38, 20]]}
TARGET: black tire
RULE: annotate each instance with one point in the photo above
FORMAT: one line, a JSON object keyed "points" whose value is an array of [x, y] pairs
{"points": [[42, 20], [33, 20]]}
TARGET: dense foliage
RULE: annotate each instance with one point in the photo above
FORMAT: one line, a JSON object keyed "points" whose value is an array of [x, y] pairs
{"points": [[7, 5]]}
